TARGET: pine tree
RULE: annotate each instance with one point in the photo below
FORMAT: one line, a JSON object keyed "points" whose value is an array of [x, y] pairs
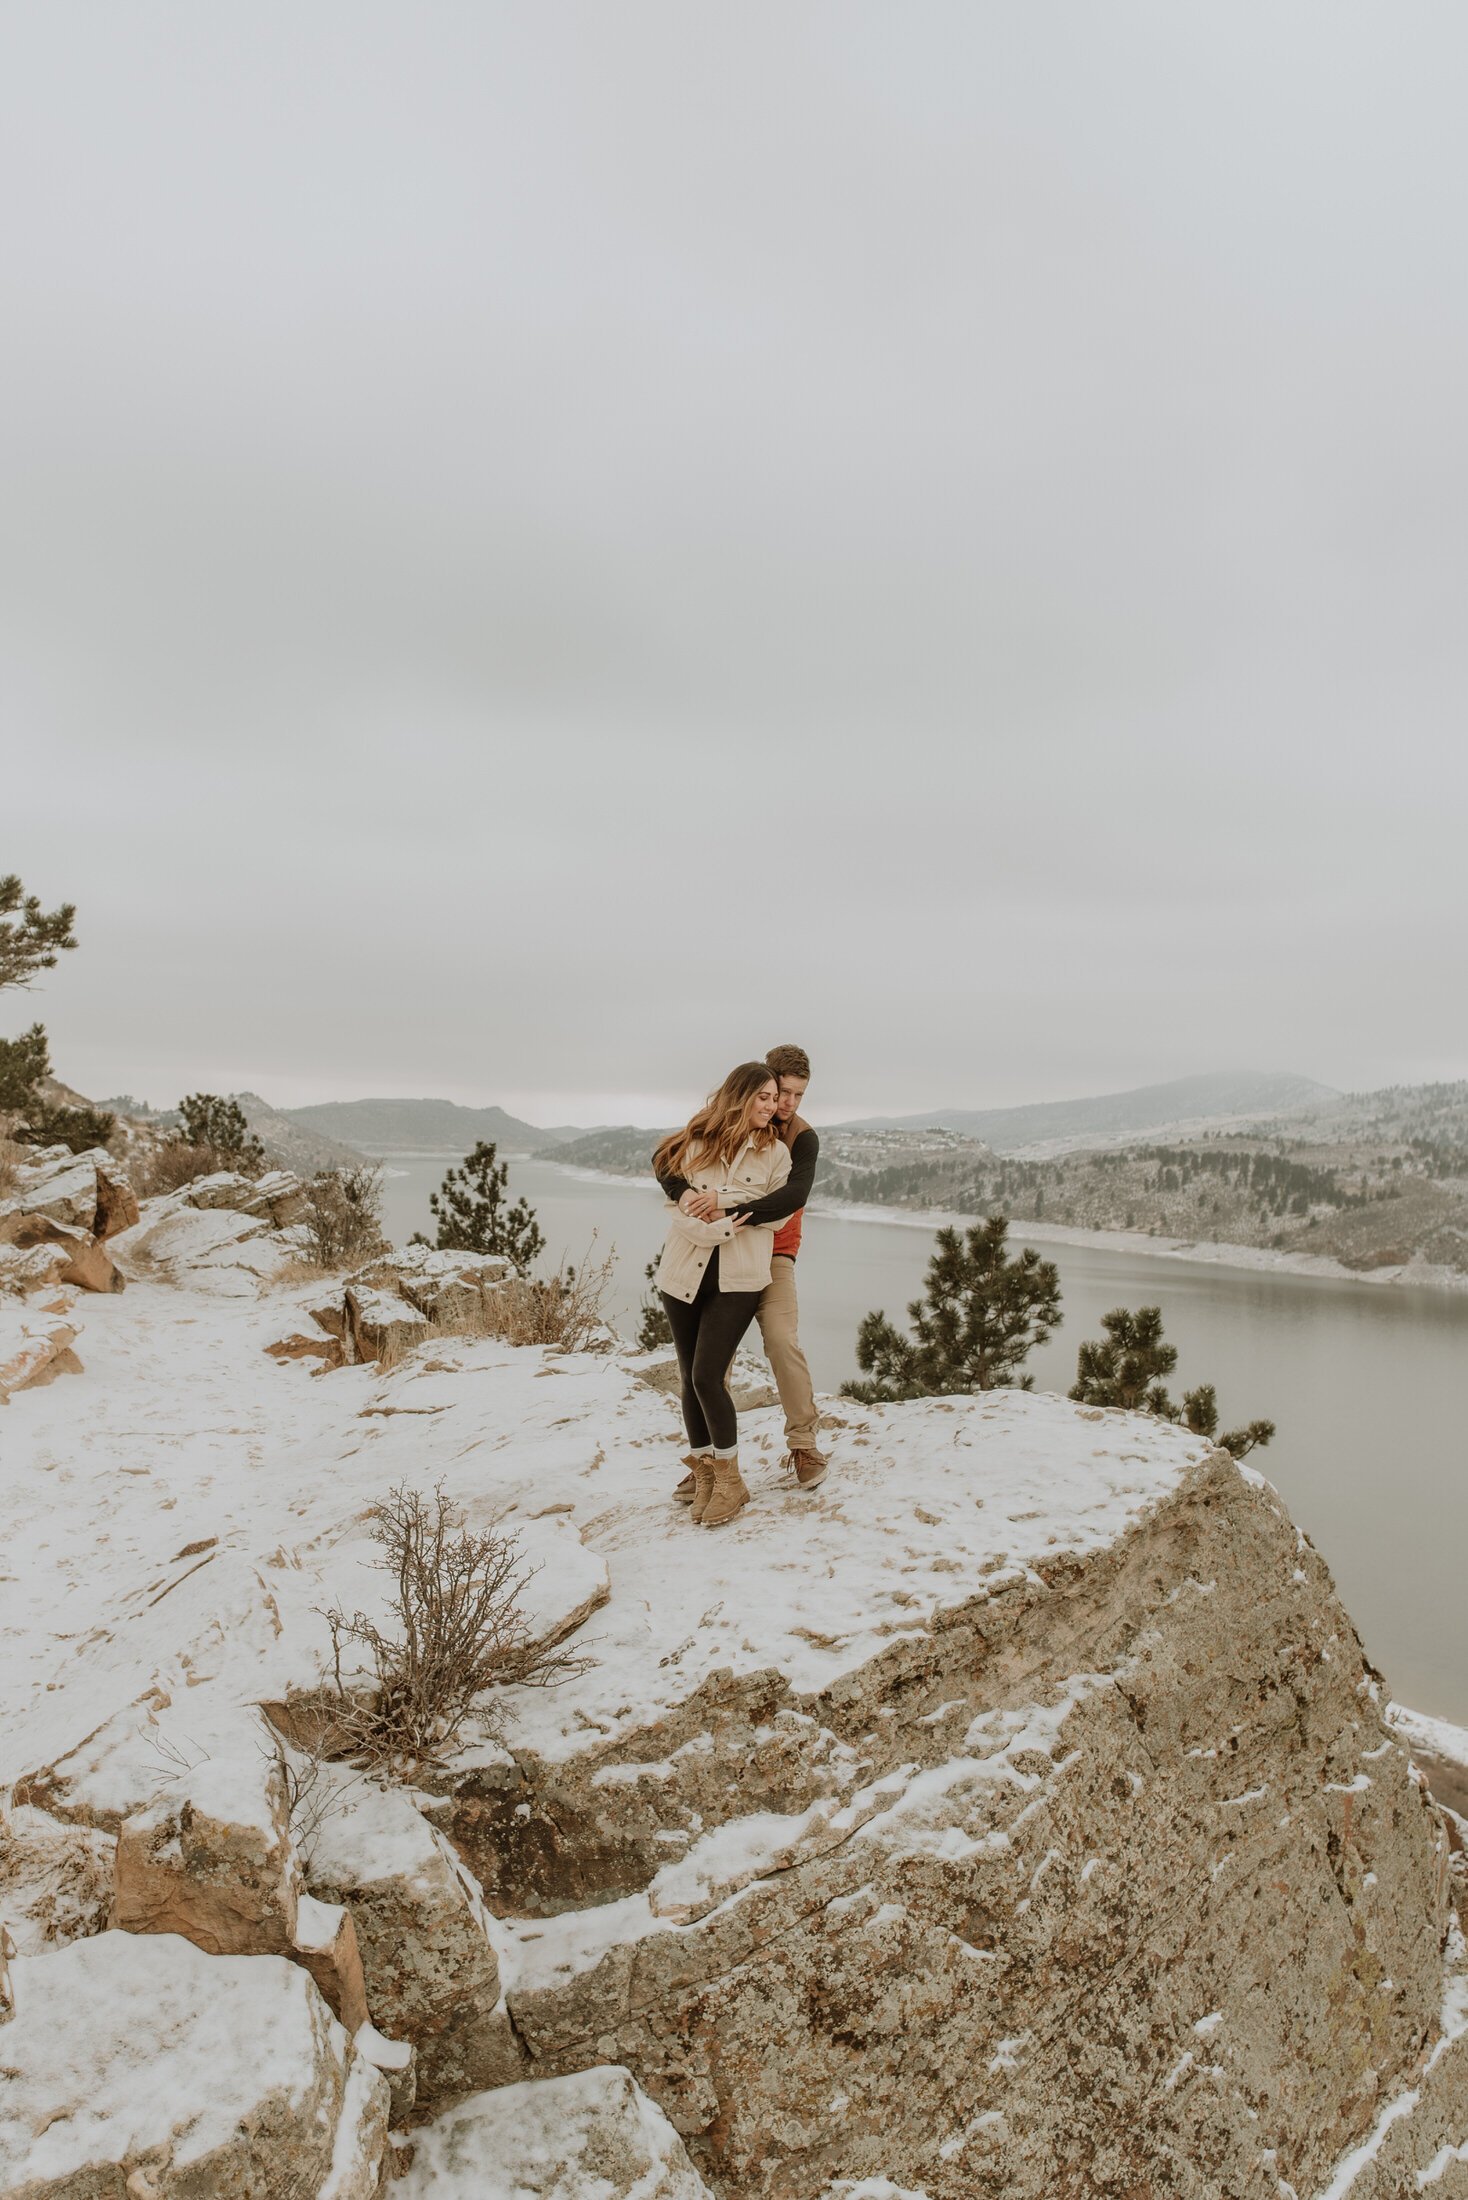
{"points": [[24, 1063], [31, 937], [981, 1316], [472, 1214], [654, 1330], [1126, 1369], [210, 1121]]}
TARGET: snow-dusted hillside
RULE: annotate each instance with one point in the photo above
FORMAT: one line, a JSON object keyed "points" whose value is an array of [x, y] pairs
{"points": [[1013, 1816]]}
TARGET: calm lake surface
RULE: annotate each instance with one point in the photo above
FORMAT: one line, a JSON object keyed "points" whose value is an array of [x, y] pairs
{"points": [[1368, 1383]]}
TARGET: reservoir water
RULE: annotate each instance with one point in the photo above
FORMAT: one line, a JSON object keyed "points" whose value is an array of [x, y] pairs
{"points": [[1368, 1383]]}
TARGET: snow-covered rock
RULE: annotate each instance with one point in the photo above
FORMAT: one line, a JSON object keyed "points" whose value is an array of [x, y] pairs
{"points": [[136, 2064], [326, 1942], [212, 1858], [595, 2134], [222, 1250], [440, 1284], [1016, 1814], [1439, 1750], [55, 1879], [425, 1937], [61, 1188], [117, 1205], [277, 1197], [34, 1348]]}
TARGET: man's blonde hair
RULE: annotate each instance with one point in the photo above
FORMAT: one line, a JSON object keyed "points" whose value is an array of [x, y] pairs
{"points": [[789, 1062]]}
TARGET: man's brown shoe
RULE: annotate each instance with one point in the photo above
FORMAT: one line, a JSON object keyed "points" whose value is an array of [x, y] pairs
{"points": [[685, 1489], [729, 1494], [703, 1486], [810, 1468]]}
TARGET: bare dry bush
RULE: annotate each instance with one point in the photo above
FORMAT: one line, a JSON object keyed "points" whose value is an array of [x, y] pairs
{"points": [[293, 1274], [563, 1312], [460, 1632], [342, 1224], [12, 1157], [171, 1164]]}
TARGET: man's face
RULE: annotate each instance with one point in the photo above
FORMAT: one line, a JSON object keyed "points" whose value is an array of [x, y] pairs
{"points": [[792, 1092]]}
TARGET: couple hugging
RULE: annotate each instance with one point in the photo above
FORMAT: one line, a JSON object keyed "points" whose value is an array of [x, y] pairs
{"points": [[738, 1175]]}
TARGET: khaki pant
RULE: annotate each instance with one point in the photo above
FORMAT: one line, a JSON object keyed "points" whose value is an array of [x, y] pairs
{"points": [[779, 1325]]}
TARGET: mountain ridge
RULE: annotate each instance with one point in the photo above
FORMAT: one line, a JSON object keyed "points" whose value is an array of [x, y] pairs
{"points": [[1099, 1119], [390, 1125]]}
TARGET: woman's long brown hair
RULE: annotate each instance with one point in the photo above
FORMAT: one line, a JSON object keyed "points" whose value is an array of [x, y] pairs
{"points": [[721, 1125]]}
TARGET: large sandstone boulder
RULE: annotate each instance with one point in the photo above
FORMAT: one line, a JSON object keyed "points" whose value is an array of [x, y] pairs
{"points": [[276, 1197], [1086, 1875], [428, 1958], [74, 1256], [34, 1349], [61, 1187], [117, 1206], [443, 1285], [380, 1324], [562, 2139], [139, 2067], [212, 1858], [219, 1250]]}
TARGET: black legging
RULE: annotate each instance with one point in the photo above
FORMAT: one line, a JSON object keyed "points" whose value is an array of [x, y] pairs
{"points": [[705, 1335]]}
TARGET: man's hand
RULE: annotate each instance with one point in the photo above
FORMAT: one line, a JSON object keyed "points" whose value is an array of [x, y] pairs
{"points": [[702, 1206]]}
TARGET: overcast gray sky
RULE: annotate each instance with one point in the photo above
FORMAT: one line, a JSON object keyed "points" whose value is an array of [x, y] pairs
{"points": [[546, 548]]}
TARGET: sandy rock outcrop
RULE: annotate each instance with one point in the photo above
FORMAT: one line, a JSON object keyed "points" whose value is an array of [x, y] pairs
{"points": [[387, 1307], [562, 2139], [54, 1224], [277, 1197], [425, 1938], [326, 1942], [34, 1348], [1017, 1818], [1107, 1877], [212, 1858], [137, 2065], [59, 1186], [55, 1879]]}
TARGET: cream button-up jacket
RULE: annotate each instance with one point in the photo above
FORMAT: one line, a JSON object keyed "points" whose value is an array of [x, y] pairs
{"points": [[744, 1255]]}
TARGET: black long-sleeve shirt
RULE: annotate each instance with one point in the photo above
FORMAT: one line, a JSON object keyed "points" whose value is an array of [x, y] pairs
{"points": [[775, 1206]]}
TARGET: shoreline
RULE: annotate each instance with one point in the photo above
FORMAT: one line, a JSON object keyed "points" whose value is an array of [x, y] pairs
{"points": [[1261, 1259]]}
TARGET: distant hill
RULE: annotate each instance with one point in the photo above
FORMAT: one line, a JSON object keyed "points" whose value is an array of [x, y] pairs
{"points": [[420, 1126], [292, 1145], [1116, 1118], [621, 1150]]}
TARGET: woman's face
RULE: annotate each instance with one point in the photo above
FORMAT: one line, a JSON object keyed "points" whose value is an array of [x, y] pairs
{"points": [[764, 1104]]}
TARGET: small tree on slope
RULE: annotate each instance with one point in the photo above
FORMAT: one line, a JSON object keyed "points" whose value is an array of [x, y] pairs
{"points": [[1127, 1368], [981, 1316], [220, 1124], [473, 1214]]}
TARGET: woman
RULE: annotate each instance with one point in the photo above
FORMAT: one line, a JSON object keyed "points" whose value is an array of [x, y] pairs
{"points": [[711, 1274]]}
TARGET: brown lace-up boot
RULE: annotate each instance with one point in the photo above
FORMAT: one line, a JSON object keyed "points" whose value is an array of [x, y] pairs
{"points": [[810, 1468], [703, 1485], [685, 1489], [729, 1494]]}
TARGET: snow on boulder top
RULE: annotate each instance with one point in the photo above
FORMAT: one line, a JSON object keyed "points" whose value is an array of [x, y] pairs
{"points": [[127, 2043], [594, 2133]]}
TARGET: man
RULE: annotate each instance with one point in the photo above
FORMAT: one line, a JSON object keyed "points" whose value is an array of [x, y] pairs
{"points": [[778, 1313]]}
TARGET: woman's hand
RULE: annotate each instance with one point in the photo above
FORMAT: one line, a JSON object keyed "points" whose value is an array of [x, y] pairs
{"points": [[702, 1206]]}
